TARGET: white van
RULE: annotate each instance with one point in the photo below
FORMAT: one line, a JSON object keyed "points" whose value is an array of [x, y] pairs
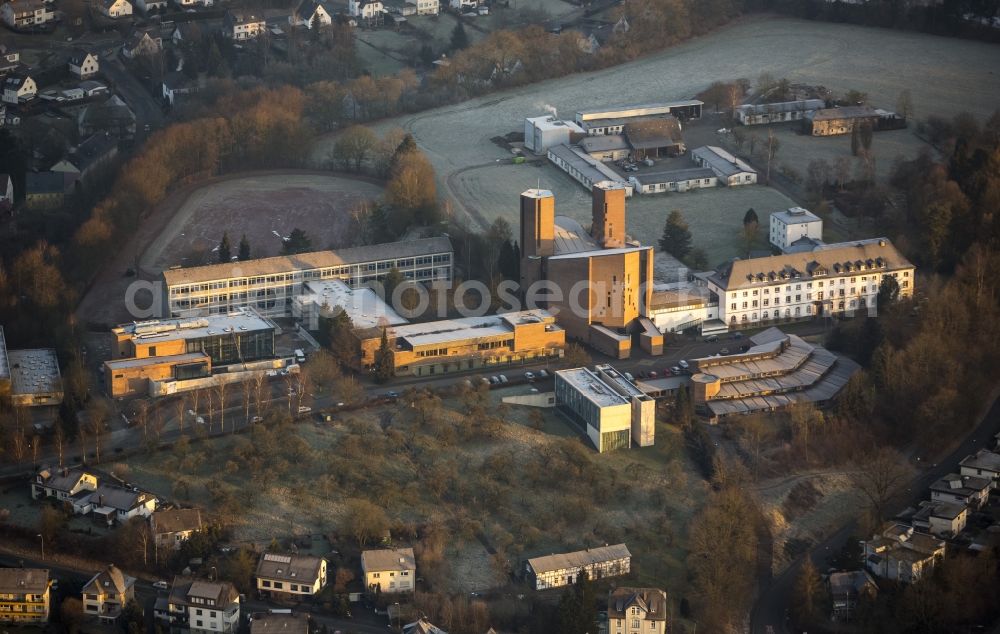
{"points": [[300, 356]]}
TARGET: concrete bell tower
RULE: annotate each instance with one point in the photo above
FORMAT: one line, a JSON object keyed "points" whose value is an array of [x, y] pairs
{"points": [[608, 213]]}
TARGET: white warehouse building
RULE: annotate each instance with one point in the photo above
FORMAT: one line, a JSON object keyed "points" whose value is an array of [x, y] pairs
{"points": [[541, 133]]}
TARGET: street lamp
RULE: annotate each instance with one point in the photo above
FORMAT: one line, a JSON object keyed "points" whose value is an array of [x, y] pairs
{"points": [[42, 538]]}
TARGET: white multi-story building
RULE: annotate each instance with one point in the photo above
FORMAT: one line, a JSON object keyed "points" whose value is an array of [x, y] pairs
{"points": [[25, 14], [238, 25], [368, 10], [792, 224], [269, 284], [832, 279], [389, 570], [18, 89], [199, 607], [428, 7]]}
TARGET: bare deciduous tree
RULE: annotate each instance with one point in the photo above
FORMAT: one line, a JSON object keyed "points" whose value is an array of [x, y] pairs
{"points": [[880, 472]]}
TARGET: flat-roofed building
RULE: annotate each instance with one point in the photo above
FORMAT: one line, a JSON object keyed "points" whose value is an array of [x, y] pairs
{"points": [[610, 409], [557, 571], [983, 464], [832, 279], [466, 343], [606, 147], [794, 223], [637, 611], [268, 284], [290, 575], [34, 377], [24, 595], [674, 180], [778, 112], [389, 570], [612, 120], [943, 519], [681, 306], [160, 355], [325, 298], [541, 133], [776, 371], [729, 170]]}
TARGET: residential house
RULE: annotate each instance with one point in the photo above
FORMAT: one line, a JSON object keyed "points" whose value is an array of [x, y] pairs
{"points": [[18, 88], [24, 595], [83, 64], [44, 190], [107, 593], [294, 576], [186, 32], [944, 519], [984, 464], [176, 84], [151, 5], [112, 116], [190, 4], [368, 10], [142, 42], [428, 7], [901, 554], [402, 8], [115, 8], [847, 590], [6, 192], [10, 59], [96, 152], [62, 484], [26, 14], [389, 570], [422, 626], [971, 491], [196, 606], [309, 13], [556, 571], [637, 611], [239, 25], [271, 623], [93, 88], [790, 225], [173, 527], [112, 503], [463, 5]]}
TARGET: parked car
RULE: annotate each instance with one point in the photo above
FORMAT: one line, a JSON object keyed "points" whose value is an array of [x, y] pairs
{"points": [[199, 420], [530, 376], [724, 351], [652, 374], [503, 378], [494, 380], [257, 419], [304, 409], [161, 585], [684, 364], [628, 375], [675, 370], [738, 336], [392, 394], [484, 380], [300, 356], [543, 373], [712, 338]]}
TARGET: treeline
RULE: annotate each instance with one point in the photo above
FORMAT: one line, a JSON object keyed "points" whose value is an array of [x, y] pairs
{"points": [[508, 58]]}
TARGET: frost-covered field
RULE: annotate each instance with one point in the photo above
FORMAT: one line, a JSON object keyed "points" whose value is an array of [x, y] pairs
{"points": [[945, 76]]}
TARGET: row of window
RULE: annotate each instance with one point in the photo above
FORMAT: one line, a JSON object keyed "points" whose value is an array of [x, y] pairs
{"points": [[280, 585]]}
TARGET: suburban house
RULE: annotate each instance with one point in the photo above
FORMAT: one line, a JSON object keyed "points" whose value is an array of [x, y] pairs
{"points": [[462, 5], [309, 13], [900, 554], [176, 84], [556, 571], [389, 570], [96, 151], [142, 42], [93, 88], [290, 575], [368, 10], [173, 527], [984, 464], [24, 595], [970, 491], [106, 594], [847, 589], [10, 59], [190, 4], [83, 64], [944, 519], [112, 116], [422, 626], [199, 606], [637, 611], [25, 14], [113, 503], [62, 484], [115, 8], [44, 190], [18, 88], [6, 192], [279, 623], [239, 25], [428, 7]]}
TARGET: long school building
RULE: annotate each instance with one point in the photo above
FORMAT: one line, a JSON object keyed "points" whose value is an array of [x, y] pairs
{"points": [[268, 284]]}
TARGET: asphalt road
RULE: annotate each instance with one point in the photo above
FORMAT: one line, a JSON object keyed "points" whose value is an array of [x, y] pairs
{"points": [[769, 614], [147, 109]]}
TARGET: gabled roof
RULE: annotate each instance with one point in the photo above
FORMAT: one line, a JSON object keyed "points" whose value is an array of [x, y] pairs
{"points": [[652, 602], [578, 559], [109, 581], [241, 17], [15, 81], [94, 149], [79, 56], [653, 133], [20, 7], [221, 593], [307, 8], [176, 521], [301, 568], [61, 480], [118, 498], [24, 580]]}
